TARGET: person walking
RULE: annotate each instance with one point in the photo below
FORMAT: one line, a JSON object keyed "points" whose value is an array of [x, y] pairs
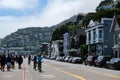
{"points": [[29, 59], [12, 61], [20, 61], [35, 62], [8, 62], [3, 62], [39, 59]]}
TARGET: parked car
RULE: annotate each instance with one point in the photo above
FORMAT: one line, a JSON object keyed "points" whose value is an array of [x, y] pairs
{"points": [[70, 59], [101, 61], [63, 58], [77, 60], [113, 63], [52, 58], [90, 60], [67, 58], [57, 59]]}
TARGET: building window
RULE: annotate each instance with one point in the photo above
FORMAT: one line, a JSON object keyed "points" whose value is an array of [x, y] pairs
{"points": [[89, 36], [116, 38], [94, 34], [100, 34]]}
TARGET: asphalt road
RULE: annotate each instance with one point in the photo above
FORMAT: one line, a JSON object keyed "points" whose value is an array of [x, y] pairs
{"points": [[55, 70]]}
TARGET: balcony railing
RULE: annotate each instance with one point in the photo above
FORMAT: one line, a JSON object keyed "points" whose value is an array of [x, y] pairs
{"points": [[95, 41]]}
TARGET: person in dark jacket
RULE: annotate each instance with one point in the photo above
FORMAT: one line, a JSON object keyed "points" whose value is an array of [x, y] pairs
{"points": [[34, 62], [13, 61], [3, 62], [20, 61], [8, 62]]}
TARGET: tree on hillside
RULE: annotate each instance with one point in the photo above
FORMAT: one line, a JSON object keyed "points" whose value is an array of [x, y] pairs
{"points": [[118, 5], [87, 18], [58, 32], [104, 13], [104, 3], [79, 18]]}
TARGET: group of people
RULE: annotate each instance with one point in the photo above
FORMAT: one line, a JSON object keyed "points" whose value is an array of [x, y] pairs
{"points": [[9, 60], [37, 61]]}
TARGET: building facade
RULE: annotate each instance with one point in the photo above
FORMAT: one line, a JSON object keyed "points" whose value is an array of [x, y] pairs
{"points": [[115, 29], [98, 37], [57, 48], [77, 38], [66, 43]]}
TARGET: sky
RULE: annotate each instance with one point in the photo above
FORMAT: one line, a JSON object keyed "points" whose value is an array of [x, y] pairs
{"points": [[17, 14]]}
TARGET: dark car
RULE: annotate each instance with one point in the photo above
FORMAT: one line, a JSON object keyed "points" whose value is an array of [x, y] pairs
{"points": [[114, 63], [77, 60], [89, 60], [101, 61]]}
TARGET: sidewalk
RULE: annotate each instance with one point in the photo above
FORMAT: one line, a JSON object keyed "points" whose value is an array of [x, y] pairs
{"points": [[13, 74]]}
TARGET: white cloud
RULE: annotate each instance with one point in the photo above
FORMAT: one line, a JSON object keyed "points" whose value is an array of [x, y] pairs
{"points": [[54, 12], [18, 4]]}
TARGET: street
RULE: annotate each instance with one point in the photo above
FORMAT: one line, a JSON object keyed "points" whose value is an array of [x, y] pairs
{"points": [[55, 70]]}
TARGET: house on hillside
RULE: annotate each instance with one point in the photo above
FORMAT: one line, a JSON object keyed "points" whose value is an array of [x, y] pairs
{"points": [[99, 39], [77, 38], [66, 43], [57, 48], [115, 29]]}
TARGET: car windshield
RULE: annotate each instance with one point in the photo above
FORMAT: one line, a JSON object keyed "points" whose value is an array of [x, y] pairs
{"points": [[115, 59], [100, 58], [89, 58]]}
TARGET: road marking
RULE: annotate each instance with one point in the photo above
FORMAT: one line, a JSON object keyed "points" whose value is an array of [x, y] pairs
{"points": [[48, 76], [7, 76], [110, 75], [71, 74]]}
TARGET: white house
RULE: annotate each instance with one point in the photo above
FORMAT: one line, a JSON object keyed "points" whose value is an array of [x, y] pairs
{"points": [[66, 43]]}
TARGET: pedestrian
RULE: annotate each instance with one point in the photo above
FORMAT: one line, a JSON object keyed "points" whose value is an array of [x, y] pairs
{"points": [[13, 61], [39, 59], [34, 62], [8, 62], [20, 61], [29, 59], [3, 62]]}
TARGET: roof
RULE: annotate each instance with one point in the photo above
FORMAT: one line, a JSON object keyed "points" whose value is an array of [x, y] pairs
{"points": [[116, 20], [80, 31]]}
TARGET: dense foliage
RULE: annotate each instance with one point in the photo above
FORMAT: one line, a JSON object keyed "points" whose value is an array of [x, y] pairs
{"points": [[27, 36]]}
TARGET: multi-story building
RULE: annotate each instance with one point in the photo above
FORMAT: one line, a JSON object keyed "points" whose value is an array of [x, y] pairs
{"points": [[57, 48], [66, 43], [77, 38], [98, 37], [115, 29]]}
